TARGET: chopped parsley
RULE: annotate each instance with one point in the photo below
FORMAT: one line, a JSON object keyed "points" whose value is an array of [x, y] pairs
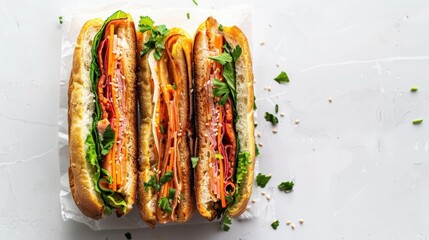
{"points": [[277, 108], [275, 224], [286, 186], [194, 161], [165, 202], [221, 89], [220, 27], [188, 15], [417, 121], [262, 180], [60, 18], [225, 223], [414, 89], [282, 77], [156, 39], [271, 118], [195, 2]]}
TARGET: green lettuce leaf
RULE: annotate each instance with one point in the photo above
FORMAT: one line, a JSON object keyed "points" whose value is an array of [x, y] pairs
{"points": [[93, 141]]}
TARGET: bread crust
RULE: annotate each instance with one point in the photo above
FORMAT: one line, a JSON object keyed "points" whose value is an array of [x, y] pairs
{"points": [[82, 187], [244, 126], [148, 163], [80, 118]]}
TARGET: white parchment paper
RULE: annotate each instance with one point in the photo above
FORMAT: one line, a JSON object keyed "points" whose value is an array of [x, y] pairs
{"points": [[73, 20]]}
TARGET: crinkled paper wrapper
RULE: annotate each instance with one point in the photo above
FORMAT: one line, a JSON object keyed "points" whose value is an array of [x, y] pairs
{"points": [[73, 20]]}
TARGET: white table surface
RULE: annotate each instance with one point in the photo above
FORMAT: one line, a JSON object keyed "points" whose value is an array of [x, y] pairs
{"points": [[361, 167]]}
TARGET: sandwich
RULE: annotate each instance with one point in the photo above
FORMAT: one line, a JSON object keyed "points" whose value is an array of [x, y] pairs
{"points": [[225, 122], [101, 117], [164, 88]]}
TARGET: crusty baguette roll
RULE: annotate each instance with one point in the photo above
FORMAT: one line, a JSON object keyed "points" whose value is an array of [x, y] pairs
{"points": [[225, 124], [102, 120], [166, 133]]}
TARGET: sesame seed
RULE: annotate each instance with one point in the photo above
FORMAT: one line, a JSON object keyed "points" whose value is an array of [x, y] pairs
{"points": [[262, 43], [248, 206], [292, 226], [288, 222], [179, 134], [297, 121], [258, 134], [263, 193], [205, 135], [268, 197], [254, 201], [282, 114], [301, 221], [330, 100], [275, 130], [260, 144]]}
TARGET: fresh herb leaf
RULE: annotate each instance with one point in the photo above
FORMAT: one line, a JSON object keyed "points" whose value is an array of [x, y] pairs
{"points": [[156, 39], [194, 161], [195, 2], [282, 77], [262, 180], [171, 193], [225, 223], [271, 118], [222, 59], [61, 19], [286, 186], [167, 177], [108, 140], [220, 27], [152, 183], [157, 185], [277, 108], [188, 16], [236, 53], [116, 201], [417, 121], [256, 150], [414, 89], [229, 199], [164, 205], [229, 75], [161, 128], [275, 224], [128, 236], [221, 89], [218, 156]]}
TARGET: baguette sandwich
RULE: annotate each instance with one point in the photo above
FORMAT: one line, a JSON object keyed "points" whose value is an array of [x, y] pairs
{"points": [[225, 124], [101, 116], [166, 131]]}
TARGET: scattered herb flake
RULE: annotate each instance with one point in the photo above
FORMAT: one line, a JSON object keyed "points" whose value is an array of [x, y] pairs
{"points": [[277, 108], [262, 180], [282, 77], [254, 103], [256, 150], [275, 224], [194, 161], [161, 128], [164, 205], [128, 235], [195, 2], [414, 89], [417, 121], [156, 39], [188, 15], [225, 223], [286, 186], [60, 18], [271, 118]]}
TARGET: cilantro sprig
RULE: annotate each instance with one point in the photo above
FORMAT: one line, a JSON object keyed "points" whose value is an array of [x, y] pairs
{"points": [[154, 183], [225, 223], [165, 202], [156, 39], [262, 180], [286, 186]]}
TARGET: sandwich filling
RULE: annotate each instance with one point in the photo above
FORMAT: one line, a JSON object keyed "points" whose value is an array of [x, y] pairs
{"points": [[168, 132], [106, 146], [226, 163]]}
